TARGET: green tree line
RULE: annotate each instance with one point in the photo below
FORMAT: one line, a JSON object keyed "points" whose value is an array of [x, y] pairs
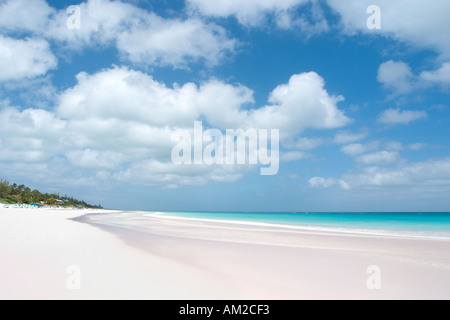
{"points": [[21, 194]]}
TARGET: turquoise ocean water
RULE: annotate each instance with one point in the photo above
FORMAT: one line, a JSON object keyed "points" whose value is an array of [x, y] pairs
{"points": [[422, 225]]}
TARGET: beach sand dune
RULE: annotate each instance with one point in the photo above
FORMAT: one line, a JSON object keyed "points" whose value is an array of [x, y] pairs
{"points": [[40, 249]]}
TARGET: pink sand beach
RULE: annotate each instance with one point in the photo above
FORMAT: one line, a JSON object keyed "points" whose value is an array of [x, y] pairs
{"points": [[45, 254]]}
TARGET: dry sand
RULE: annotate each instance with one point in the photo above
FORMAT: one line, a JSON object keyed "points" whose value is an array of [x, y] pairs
{"points": [[195, 260]]}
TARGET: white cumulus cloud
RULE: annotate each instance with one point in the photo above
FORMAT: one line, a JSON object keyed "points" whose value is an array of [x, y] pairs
{"points": [[421, 179], [396, 76], [379, 157], [419, 23], [141, 36], [26, 58], [346, 137], [25, 15], [175, 42], [318, 182], [354, 149], [440, 76], [397, 116], [249, 12], [302, 103], [121, 122]]}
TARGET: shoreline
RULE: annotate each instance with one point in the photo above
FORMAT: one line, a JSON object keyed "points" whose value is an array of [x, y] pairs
{"points": [[189, 260], [306, 229], [392, 233], [242, 251]]}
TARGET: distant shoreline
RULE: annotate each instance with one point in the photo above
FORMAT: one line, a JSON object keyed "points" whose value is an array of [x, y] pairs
{"points": [[321, 222]]}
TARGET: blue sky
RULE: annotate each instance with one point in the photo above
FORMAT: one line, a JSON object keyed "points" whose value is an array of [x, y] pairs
{"points": [[363, 113]]}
